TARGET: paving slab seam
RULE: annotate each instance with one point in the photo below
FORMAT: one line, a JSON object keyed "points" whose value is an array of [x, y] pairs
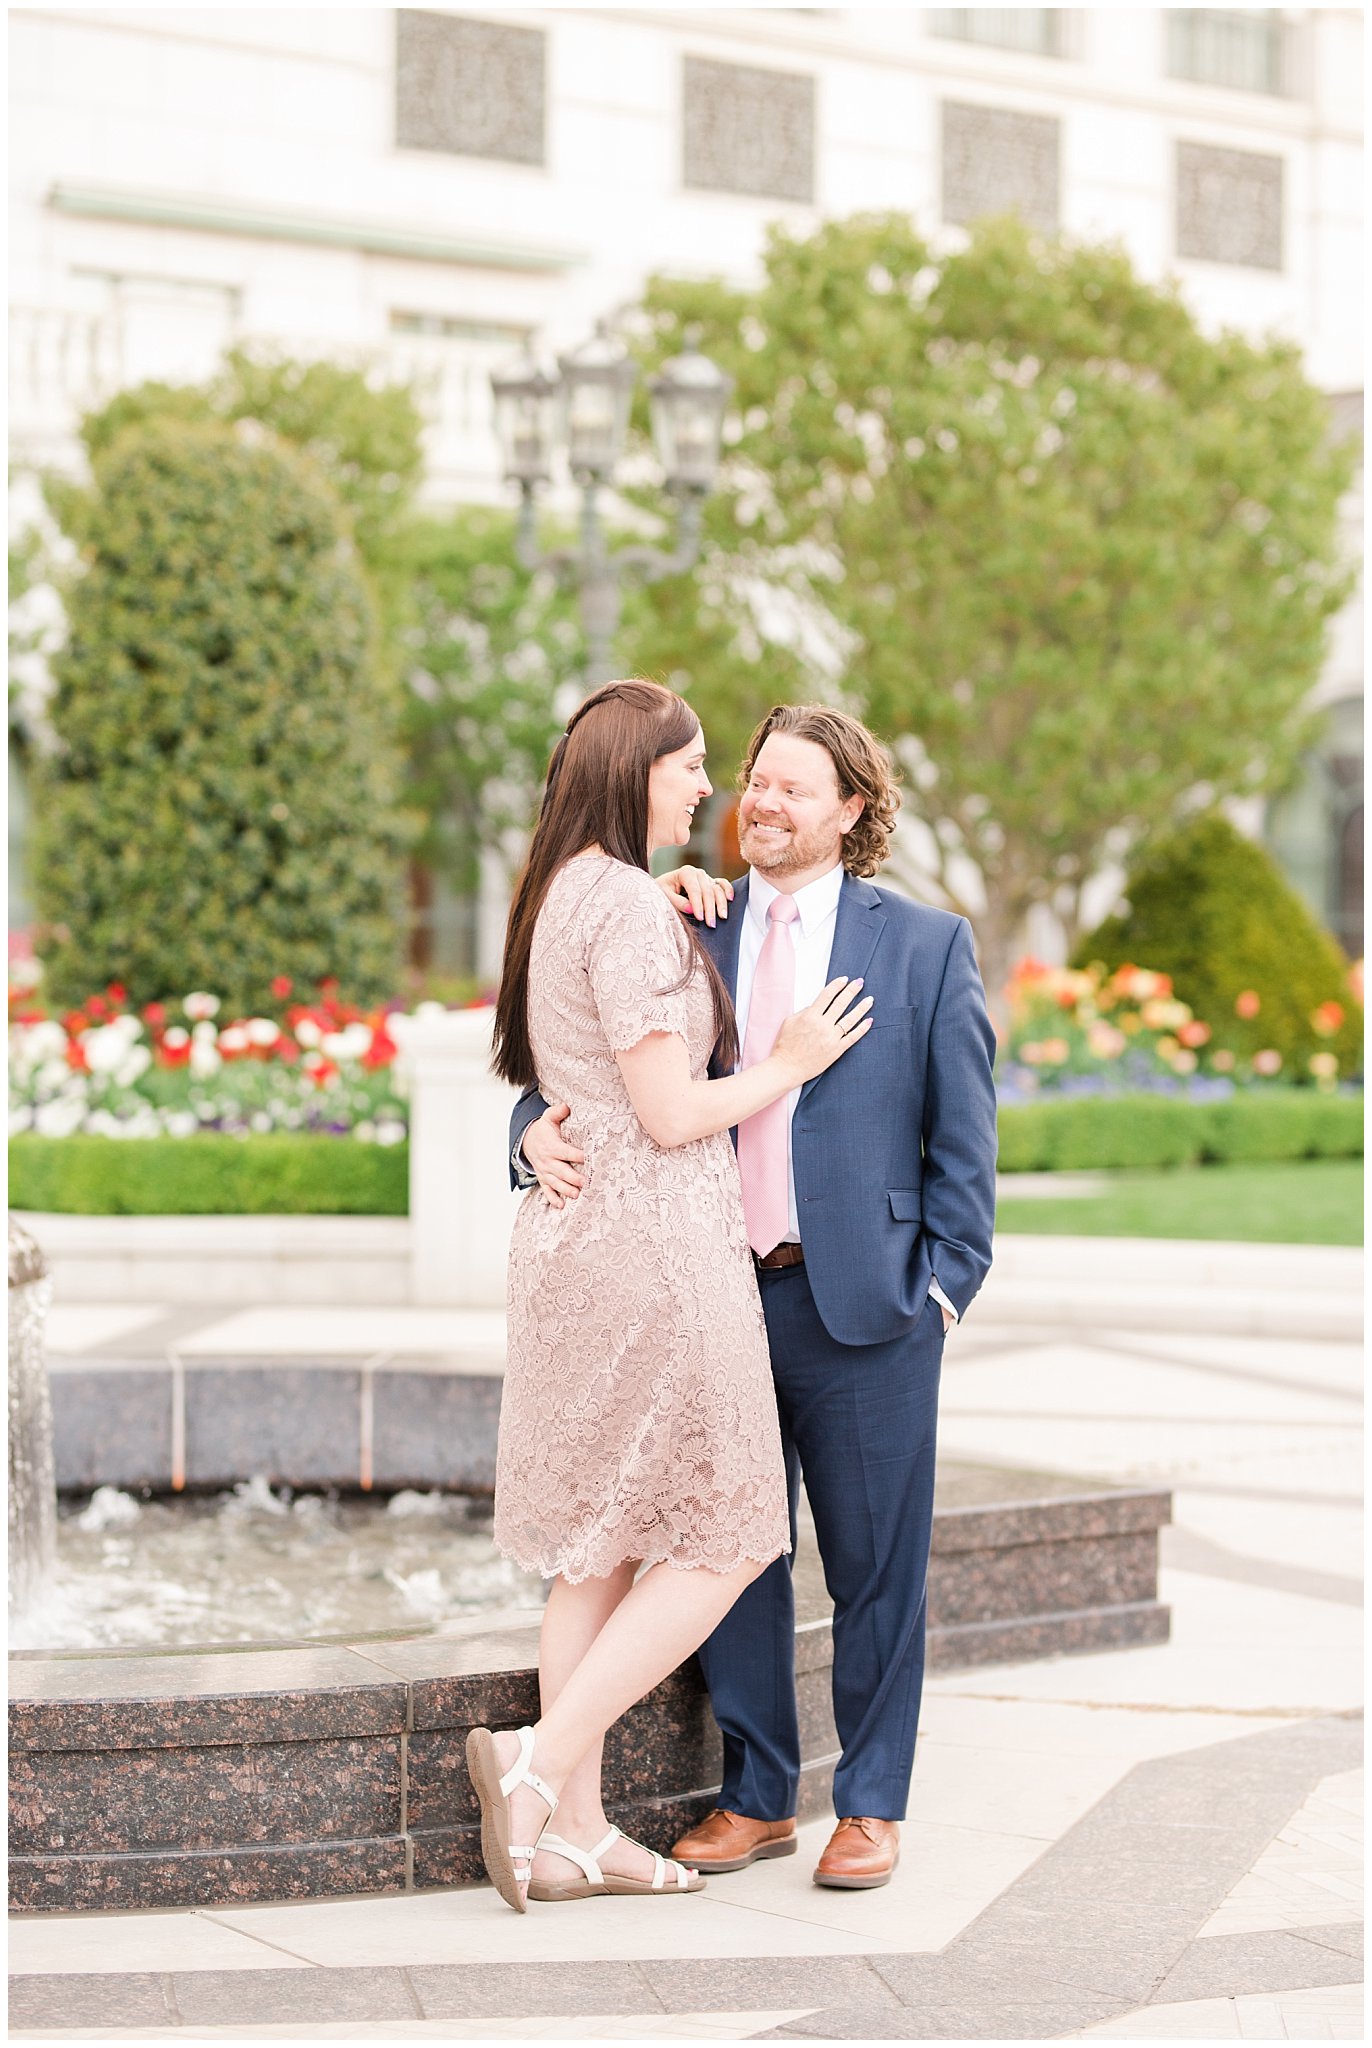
{"points": [[407, 1981], [1216, 1369], [277, 1948], [656, 2002]]}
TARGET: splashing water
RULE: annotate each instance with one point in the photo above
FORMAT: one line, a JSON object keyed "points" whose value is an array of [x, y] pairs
{"points": [[265, 1565], [32, 1490]]}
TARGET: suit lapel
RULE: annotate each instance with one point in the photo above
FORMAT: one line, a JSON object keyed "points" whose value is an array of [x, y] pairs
{"points": [[857, 928], [722, 943]]}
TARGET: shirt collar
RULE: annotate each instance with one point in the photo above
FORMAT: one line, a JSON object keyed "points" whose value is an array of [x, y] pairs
{"points": [[816, 902]]}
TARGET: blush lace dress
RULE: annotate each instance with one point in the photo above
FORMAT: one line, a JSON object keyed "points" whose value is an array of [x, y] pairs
{"points": [[638, 1418]]}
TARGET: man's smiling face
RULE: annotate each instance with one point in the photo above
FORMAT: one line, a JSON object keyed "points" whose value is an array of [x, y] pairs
{"points": [[791, 817]]}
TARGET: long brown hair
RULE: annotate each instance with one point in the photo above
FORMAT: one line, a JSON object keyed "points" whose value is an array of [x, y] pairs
{"points": [[863, 768], [596, 794]]}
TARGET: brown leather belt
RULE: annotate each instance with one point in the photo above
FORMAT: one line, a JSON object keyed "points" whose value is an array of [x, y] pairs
{"points": [[780, 1255]]}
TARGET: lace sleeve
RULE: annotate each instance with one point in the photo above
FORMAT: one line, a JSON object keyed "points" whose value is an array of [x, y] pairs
{"points": [[638, 962]]}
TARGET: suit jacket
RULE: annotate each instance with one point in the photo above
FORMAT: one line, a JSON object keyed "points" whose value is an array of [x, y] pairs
{"points": [[894, 1146]]}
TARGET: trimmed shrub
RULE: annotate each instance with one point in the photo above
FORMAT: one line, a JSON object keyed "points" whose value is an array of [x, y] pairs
{"points": [[1287, 1124], [1212, 910], [211, 1176], [222, 804], [1151, 1130], [1121, 1130]]}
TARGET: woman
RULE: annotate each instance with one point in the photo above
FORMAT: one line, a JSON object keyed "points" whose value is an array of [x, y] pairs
{"points": [[638, 1425]]}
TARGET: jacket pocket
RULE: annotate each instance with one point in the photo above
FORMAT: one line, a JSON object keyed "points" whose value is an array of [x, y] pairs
{"points": [[906, 1205], [893, 1016]]}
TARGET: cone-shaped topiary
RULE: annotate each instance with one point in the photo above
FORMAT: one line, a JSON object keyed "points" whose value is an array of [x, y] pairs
{"points": [[221, 806], [1211, 909]]}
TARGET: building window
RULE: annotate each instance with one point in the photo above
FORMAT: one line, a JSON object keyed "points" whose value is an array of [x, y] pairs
{"points": [[1243, 47], [996, 161], [748, 131], [469, 88], [1035, 29], [1229, 206], [448, 327]]}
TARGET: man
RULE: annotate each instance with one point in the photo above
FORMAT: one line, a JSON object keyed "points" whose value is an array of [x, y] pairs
{"points": [[869, 1198]]}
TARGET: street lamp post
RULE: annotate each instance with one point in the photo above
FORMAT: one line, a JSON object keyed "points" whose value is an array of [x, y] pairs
{"points": [[584, 411]]}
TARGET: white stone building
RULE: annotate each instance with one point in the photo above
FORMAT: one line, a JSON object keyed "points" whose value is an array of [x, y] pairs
{"points": [[431, 187]]}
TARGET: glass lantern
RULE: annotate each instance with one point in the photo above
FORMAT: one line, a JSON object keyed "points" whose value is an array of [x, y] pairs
{"points": [[524, 404], [597, 388], [689, 395]]}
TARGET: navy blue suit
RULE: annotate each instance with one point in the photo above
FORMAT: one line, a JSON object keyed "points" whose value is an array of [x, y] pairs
{"points": [[893, 1151]]}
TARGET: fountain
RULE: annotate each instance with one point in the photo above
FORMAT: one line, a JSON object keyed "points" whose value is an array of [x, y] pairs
{"points": [[273, 1729], [33, 1490]]}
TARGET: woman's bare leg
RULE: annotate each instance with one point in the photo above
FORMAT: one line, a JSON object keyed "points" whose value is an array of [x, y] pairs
{"points": [[650, 1630], [572, 1619]]}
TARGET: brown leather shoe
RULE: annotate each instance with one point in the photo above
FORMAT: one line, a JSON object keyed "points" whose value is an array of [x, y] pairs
{"points": [[860, 1856], [731, 1841]]}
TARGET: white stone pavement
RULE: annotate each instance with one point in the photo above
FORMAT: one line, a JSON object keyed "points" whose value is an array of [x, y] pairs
{"points": [[1259, 1436]]}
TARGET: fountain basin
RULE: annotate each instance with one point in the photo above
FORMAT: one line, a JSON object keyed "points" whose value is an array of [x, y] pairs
{"points": [[238, 1773]]}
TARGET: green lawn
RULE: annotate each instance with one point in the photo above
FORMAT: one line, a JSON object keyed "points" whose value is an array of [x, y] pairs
{"points": [[1317, 1201]]}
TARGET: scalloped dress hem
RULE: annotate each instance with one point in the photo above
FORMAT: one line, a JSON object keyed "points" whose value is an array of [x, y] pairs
{"points": [[678, 1564]]}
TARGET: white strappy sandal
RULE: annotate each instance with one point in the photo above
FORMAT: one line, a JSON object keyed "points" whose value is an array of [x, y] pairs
{"points": [[508, 1864], [598, 1883]]}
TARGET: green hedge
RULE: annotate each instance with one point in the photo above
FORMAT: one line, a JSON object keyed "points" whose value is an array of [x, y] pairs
{"points": [[1162, 1130], [280, 1175], [270, 1175]]}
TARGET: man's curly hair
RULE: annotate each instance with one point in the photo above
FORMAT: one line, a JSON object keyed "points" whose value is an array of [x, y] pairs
{"points": [[863, 766]]}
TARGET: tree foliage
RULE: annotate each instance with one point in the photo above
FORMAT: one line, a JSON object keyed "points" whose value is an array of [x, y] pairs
{"points": [[364, 435], [222, 803], [1212, 910], [493, 664], [1077, 556]]}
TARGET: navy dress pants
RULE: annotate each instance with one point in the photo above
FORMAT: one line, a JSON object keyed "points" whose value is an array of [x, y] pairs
{"points": [[858, 1423]]}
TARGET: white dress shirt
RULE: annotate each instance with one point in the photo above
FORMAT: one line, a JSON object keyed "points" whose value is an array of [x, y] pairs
{"points": [[812, 935]]}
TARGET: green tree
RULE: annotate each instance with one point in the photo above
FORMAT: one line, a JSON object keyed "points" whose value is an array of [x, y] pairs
{"points": [[222, 803], [1211, 909], [493, 665], [365, 436], [1077, 557]]}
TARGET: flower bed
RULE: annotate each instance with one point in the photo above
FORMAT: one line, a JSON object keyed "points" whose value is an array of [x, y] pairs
{"points": [[1081, 1031], [177, 1070]]}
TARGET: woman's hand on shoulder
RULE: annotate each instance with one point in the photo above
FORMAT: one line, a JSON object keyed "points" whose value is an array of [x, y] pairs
{"points": [[696, 894]]}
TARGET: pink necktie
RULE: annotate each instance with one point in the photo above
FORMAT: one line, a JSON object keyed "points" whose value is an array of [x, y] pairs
{"points": [[763, 1138]]}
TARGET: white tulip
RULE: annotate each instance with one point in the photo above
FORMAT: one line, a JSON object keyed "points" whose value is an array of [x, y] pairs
{"points": [[59, 1119], [44, 1041], [348, 1044], [105, 1049]]}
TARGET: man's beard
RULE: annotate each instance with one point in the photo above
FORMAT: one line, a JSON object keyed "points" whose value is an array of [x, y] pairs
{"points": [[785, 856]]}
